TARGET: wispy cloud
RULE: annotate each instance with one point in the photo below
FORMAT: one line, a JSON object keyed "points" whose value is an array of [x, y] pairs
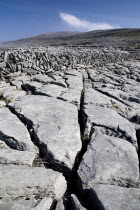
{"points": [[84, 24]]}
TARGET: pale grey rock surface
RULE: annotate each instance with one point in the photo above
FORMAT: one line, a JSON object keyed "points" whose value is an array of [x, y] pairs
{"points": [[2, 103], [60, 205], [17, 83], [73, 94], [44, 204], [92, 96], [10, 156], [32, 204], [44, 79], [75, 203], [105, 121], [11, 93], [74, 81], [110, 197], [109, 160], [18, 204], [51, 90], [52, 121], [13, 132], [70, 202], [28, 182]]}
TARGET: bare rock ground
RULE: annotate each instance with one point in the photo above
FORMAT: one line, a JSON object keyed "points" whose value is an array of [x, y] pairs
{"points": [[69, 129]]}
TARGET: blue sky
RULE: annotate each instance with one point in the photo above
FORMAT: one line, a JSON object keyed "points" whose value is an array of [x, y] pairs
{"points": [[24, 18]]}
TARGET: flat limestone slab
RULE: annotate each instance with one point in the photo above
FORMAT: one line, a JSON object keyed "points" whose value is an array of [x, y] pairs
{"points": [[107, 121], [28, 182], [10, 156], [55, 124], [13, 132], [109, 197], [109, 160]]}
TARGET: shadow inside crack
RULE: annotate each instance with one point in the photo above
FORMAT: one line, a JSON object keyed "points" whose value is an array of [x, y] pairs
{"points": [[138, 141]]}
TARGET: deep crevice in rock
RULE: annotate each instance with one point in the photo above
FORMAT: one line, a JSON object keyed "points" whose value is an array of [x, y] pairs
{"points": [[138, 141], [44, 154], [111, 96], [53, 206], [74, 184], [112, 132], [12, 142]]}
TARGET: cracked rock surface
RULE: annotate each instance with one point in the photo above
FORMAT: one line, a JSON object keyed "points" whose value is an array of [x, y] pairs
{"points": [[51, 119], [114, 197], [69, 129]]}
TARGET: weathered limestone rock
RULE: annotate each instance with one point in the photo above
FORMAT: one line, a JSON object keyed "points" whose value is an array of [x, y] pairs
{"points": [[74, 81], [28, 182], [104, 120], [18, 204], [92, 96], [51, 90], [2, 103], [17, 83], [109, 160], [13, 132], [44, 79], [69, 203], [60, 205], [76, 204], [9, 156], [110, 197], [55, 125], [105, 90], [31, 86], [13, 95], [45, 203]]}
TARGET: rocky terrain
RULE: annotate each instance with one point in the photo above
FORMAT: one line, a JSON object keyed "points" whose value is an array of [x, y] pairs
{"points": [[123, 38], [69, 129]]}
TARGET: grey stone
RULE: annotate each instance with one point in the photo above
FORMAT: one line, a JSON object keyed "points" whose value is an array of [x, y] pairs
{"points": [[75, 88], [2, 103], [31, 86], [55, 124], [27, 182], [104, 120], [51, 90], [9, 156], [13, 132], [13, 95], [60, 205], [92, 96], [42, 79], [3, 145], [109, 160], [76, 204], [69, 203], [17, 83], [110, 197], [44, 204], [18, 204]]}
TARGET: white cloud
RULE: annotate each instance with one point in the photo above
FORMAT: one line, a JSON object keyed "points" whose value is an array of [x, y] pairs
{"points": [[84, 24]]}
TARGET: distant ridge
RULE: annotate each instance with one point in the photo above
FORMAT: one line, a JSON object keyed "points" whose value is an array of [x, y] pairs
{"points": [[116, 37]]}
